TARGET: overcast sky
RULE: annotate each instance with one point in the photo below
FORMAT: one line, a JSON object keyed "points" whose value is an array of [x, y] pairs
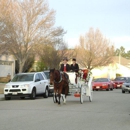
{"points": [[111, 17]]}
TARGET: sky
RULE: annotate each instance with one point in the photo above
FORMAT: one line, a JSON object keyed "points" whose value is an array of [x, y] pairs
{"points": [[111, 17]]}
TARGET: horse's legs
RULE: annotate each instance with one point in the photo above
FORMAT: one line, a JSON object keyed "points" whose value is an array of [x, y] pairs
{"points": [[59, 95], [55, 96], [66, 93], [66, 90], [64, 98]]}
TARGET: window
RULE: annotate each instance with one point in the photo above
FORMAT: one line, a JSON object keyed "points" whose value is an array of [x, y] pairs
{"points": [[37, 77], [41, 77]]}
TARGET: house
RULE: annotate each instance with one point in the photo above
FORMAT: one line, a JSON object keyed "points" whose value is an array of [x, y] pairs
{"points": [[7, 67], [119, 67]]}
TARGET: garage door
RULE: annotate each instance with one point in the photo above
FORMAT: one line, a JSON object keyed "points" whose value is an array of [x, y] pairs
{"points": [[5, 70]]}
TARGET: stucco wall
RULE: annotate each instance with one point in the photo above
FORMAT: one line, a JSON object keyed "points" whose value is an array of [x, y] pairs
{"points": [[110, 71]]}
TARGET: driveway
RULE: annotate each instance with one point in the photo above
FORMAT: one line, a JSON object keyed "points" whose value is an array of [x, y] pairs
{"points": [[2, 88]]}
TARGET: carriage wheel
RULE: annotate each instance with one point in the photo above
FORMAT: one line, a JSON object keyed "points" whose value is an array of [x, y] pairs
{"points": [[91, 96], [81, 95]]}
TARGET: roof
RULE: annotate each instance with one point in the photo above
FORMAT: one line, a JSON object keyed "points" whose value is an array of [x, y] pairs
{"points": [[121, 60], [28, 73]]}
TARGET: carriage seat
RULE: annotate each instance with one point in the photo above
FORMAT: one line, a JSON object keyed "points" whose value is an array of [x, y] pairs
{"points": [[72, 77]]}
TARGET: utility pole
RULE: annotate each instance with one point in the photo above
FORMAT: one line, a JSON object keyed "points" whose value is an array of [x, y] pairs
{"points": [[119, 58]]}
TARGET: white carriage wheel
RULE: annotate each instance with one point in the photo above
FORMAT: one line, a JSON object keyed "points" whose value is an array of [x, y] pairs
{"points": [[81, 95], [91, 94]]}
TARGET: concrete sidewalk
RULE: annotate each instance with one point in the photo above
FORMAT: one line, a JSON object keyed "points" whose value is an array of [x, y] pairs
{"points": [[1, 97]]}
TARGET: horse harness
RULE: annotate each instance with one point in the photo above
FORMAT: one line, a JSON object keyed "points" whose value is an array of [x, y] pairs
{"points": [[61, 73]]}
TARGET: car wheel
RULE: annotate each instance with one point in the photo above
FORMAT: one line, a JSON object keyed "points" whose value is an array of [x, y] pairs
{"points": [[7, 98], [107, 89], [111, 89], [22, 97], [45, 95], [33, 94], [123, 91]]}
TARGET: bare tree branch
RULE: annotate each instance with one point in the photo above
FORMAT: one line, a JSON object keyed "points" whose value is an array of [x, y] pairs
{"points": [[94, 50], [24, 24]]}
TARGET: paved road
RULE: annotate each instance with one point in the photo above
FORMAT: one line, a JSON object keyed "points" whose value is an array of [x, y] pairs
{"points": [[109, 110]]}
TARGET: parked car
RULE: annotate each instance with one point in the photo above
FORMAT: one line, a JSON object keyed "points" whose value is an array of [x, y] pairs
{"points": [[27, 85], [119, 81], [126, 86], [51, 87], [102, 83]]}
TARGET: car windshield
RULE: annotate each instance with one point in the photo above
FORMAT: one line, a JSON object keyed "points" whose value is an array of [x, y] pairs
{"points": [[128, 80], [23, 77], [120, 79], [101, 80], [47, 74]]}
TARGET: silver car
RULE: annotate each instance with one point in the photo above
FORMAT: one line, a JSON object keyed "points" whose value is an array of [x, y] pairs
{"points": [[126, 86]]}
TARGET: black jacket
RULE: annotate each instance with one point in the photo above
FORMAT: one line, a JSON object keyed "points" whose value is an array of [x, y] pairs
{"points": [[67, 67], [74, 68]]}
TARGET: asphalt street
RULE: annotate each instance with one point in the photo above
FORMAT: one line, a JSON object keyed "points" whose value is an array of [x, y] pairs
{"points": [[109, 110]]}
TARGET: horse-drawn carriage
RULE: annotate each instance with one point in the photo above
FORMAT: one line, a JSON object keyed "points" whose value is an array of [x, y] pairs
{"points": [[74, 84], [82, 88]]}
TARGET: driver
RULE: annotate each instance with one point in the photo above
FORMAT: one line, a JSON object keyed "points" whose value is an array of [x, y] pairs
{"points": [[65, 67]]}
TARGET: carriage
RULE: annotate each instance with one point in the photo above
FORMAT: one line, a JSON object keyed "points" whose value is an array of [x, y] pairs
{"points": [[75, 85], [82, 88]]}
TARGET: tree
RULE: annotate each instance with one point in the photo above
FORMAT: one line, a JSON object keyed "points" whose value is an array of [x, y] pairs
{"points": [[94, 50], [121, 51], [128, 55], [28, 64], [3, 10], [29, 22], [52, 54]]}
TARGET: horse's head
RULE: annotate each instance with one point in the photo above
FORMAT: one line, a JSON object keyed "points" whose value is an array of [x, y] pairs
{"points": [[54, 76]]}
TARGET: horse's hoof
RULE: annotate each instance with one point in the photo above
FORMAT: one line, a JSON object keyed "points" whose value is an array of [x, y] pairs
{"points": [[58, 103]]}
